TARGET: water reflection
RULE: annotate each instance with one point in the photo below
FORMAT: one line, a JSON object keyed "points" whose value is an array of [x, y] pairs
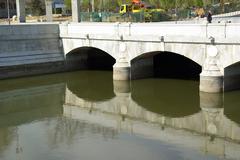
{"points": [[231, 105], [62, 110], [92, 86], [166, 96]]}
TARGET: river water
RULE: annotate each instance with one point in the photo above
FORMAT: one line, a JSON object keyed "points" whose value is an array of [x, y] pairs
{"points": [[85, 115]]}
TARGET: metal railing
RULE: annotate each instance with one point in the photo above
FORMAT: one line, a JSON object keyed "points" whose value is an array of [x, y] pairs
{"points": [[127, 17]]}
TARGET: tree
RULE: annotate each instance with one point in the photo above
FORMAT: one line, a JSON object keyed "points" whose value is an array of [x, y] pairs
{"points": [[37, 7], [222, 5], [68, 4]]}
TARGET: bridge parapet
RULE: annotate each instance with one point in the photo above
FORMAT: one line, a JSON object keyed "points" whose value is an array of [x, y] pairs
{"points": [[222, 30]]}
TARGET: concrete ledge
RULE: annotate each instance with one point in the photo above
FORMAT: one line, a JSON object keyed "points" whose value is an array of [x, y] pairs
{"points": [[29, 36], [31, 69]]}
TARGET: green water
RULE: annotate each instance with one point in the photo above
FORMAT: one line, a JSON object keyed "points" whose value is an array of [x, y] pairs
{"points": [[85, 115]]}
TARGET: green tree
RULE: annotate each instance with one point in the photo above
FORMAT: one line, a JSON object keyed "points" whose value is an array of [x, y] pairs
{"points": [[67, 4], [37, 7]]}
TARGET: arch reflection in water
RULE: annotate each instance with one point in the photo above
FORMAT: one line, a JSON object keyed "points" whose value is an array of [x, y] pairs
{"points": [[91, 85], [36, 109], [123, 113], [174, 98]]}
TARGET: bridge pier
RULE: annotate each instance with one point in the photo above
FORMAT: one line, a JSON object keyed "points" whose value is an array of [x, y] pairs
{"points": [[121, 70], [211, 81], [211, 78]]}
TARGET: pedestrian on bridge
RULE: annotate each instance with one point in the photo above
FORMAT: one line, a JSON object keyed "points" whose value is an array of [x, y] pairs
{"points": [[209, 17]]}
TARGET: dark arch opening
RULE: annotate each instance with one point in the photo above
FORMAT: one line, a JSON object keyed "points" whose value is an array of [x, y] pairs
{"points": [[89, 58], [232, 77], [173, 98], [164, 65], [171, 65]]}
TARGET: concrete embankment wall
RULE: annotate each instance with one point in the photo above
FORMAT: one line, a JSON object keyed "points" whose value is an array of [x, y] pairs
{"points": [[30, 49]]}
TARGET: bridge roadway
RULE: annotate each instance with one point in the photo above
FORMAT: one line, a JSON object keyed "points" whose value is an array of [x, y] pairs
{"points": [[43, 48]]}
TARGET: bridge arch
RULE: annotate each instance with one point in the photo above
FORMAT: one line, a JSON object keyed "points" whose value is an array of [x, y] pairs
{"points": [[89, 58], [164, 65], [194, 52]]}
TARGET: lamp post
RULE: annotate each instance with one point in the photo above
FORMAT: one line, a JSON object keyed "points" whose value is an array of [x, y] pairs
{"points": [[8, 12]]}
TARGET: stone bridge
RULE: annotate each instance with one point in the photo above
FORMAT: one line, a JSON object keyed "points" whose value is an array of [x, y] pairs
{"points": [[209, 50], [214, 47]]}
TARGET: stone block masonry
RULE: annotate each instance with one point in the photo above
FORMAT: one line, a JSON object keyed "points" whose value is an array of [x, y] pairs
{"points": [[30, 49]]}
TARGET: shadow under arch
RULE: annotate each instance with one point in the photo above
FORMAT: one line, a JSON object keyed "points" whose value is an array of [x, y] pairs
{"points": [[164, 65], [232, 77], [172, 98], [93, 86], [89, 58]]}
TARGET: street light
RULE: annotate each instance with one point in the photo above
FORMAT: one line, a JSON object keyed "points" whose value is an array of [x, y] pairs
{"points": [[8, 12]]}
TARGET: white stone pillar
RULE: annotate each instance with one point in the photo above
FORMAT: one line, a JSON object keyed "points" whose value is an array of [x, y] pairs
{"points": [[121, 69], [20, 4], [76, 11], [211, 78], [49, 15]]}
